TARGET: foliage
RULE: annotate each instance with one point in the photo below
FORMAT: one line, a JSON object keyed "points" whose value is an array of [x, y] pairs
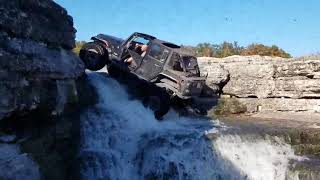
{"points": [[204, 49], [79, 45], [226, 49], [227, 106], [262, 50]]}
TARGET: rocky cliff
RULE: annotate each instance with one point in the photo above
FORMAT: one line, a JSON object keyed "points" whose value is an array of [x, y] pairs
{"points": [[266, 83], [37, 68], [40, 79]]}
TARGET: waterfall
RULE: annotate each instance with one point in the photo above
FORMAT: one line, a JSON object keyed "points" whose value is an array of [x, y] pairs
{"points": [[121, 139], [256, 157]]}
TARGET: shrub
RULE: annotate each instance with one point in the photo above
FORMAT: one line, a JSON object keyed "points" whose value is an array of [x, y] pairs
{"points": [[78, 47], [227, 106], [262, 50], [204, 49], [226, 49]]}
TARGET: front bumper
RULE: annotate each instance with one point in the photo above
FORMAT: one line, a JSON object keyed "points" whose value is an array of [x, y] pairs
{"points": [[192, 87]]}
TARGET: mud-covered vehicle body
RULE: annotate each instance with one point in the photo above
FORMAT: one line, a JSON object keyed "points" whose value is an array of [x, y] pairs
{"points": [[169, 72]]}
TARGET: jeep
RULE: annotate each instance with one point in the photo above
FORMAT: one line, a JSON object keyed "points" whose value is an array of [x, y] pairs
{"points": [[166, 73]]}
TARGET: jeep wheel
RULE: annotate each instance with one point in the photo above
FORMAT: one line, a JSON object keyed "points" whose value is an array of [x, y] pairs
{"points": [[158, 103], [94, 56]]}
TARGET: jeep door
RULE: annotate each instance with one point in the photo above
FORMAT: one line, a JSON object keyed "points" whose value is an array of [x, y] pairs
{"points": [[153, 62], [133, 49]]}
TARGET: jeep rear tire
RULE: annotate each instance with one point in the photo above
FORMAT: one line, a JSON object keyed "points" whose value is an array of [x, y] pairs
{"points": [[94, 56]]}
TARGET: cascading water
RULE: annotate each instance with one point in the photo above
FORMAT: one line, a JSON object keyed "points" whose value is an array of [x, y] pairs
{"points": [[121, 139], [256, 157]]}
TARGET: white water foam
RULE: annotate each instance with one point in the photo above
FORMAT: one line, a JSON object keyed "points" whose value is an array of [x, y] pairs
{"points": [[256, 158]]}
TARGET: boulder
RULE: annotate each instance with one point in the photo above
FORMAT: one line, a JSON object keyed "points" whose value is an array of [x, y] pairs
{"points": [[217, 75], [39, 20]]}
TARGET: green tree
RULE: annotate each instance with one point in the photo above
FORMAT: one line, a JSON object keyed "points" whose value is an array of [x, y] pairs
{"points": [[227, 49], [191, 49], [262, 50], [204, 49], [78, 47]]}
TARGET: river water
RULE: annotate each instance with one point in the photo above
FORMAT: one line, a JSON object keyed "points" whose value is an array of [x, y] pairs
{"points": [[120, 139]]}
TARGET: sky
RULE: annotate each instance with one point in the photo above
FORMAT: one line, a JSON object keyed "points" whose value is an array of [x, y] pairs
{"points": [[293, 25]]}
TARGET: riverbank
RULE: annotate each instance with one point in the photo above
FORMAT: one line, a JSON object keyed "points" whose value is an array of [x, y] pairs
{"points": [[299, 129], [304, 121]]}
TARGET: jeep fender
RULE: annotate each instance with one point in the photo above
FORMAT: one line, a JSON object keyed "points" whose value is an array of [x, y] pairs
{"points": [[102, 41]]}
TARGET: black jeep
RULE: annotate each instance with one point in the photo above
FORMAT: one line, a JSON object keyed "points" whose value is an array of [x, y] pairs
{"points": [[164, 72]]}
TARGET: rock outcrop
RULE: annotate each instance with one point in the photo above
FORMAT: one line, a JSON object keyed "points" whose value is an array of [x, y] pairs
{"points": [[37, 68], [275, 84], [17, 165], [43, 88], [39, 20]]}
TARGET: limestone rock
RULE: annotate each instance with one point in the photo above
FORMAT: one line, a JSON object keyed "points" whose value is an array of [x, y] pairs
{"points": [[273, 84], [217, 75], [281, 104], [267, 77], [40, 20], [40, 78], [37, 68]]}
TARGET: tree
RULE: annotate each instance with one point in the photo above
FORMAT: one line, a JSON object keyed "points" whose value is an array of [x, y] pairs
{"points": [[204, 49], [226, 49], [262, 50], [191, 49], [78, 47]]}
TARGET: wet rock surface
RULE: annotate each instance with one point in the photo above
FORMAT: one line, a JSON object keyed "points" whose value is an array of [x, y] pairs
{"points": [[37, 68], [40, 20], [16, 165], [51, 141], [43, 89]]}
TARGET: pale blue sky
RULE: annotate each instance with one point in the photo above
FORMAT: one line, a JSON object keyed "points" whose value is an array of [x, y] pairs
{"points": [[293, 25]]}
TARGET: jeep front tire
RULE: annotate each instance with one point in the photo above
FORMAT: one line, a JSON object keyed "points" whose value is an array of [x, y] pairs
{"points": [[94, 56]]}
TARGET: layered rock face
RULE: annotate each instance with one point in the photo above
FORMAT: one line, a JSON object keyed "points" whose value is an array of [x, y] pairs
{"points": [[37, 68], [274, 84], [42, 90]]}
